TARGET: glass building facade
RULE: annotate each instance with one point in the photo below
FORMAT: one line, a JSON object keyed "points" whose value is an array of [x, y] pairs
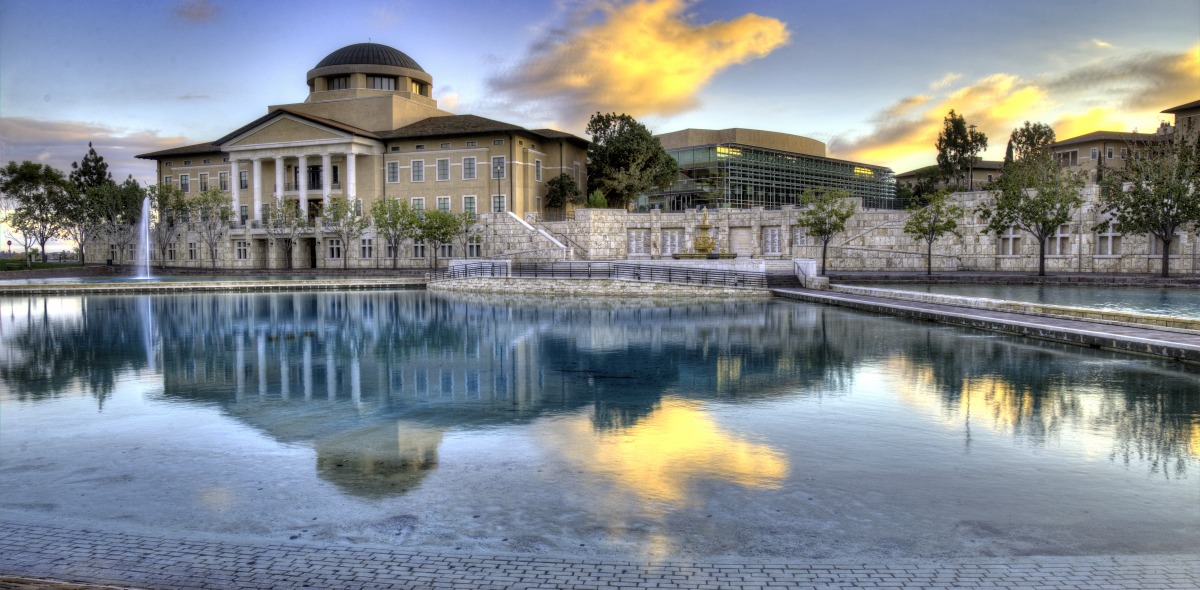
{"points": [[741, 176]]}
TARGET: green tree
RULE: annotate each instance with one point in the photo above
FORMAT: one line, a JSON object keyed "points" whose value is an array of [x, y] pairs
{"points": [[1157, 192], [285, 223], [170, 210], [932, 221], [209, 215], [596, 200], [38, 194], [958, 147], [1034, 195], [344, 219], [92, 172], [561, 190], [1028, 138], [824, 216], [119, 209], [625, 159], [395, 222], [437, 227]]}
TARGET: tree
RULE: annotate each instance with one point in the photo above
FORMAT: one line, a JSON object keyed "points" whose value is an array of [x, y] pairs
{"points": [[119, 210], [344, 219], [932, 221], [396, 222], [561, 190], [958, 147], [1028, 138], [1157, 192], [209, 215], [625, 159], [285, 223], [93, 172], [596, 200], [438, 227], [824, 216], [38, 193], [1036, 196], [170, 210], [23, 239]]}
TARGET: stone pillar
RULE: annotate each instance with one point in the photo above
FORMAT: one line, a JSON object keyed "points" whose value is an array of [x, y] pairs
{"points": [[235, 187], [257, 213], [326, 177], [303, 185], [351, 171], [279, 179]]}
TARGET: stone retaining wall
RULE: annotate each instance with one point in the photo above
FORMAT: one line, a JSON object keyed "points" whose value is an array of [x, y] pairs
{"points": [[580, 287]]}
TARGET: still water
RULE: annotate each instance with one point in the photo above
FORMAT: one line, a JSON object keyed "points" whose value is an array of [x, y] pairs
{"points": [[1172, 301], [683, 429]]}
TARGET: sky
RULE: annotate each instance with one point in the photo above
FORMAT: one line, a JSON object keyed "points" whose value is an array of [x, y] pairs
{"points": [[873, 80]]}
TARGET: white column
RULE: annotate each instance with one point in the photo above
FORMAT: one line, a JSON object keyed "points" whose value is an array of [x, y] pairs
{"points": [[256, 215], [326, 177], [278, 179], [351, 171], [234, 187], [303, 176]]}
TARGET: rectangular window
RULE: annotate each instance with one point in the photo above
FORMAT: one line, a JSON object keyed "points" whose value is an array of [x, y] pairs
{"points": [[243, 179], [223, 181], [1095, 153], [241, 249], [1010, 242], [443, 204], [171, 251], [1124, 153], [497, 142], [207, 161], [185, 183], [392, 245], [191, 250], [187, 162], [1059, 244], [381, 82], [537, 170], [445, 145], [167, 180], [1108, 240], [443, 169], [418, 203], [474, 247], [472, 144], [498, 167], [393, 172], [366, 248], [446, 251], [469, 204], [244, 213], [498, 202], [1108, 154], [1156, 246], [112, 252], [418, 170], [335, 249], [418, 249], [338, 82], [420, 146], [203, 182], [468, 168]]}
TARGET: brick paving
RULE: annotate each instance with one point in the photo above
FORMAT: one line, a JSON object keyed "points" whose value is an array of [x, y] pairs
{"points": [[172, 561]]}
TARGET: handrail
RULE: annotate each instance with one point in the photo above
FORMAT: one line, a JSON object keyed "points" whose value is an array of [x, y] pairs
{"points": [[607, 270]]}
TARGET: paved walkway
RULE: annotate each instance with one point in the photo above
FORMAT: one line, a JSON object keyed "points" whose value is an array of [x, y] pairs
{"points": [[1140, 340], [171, 561]]}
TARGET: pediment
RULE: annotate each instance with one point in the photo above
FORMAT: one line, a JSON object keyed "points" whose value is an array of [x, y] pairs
{"points": [[285, 130]]}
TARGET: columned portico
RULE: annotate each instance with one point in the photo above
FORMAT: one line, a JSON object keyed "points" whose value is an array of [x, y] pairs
{"points": [[302, 185], [326, 177], [257, 213], [279, 181], [351, 172], [235, 186]]}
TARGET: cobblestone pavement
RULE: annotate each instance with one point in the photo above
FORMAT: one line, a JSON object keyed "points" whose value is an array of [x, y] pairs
{"points": [[170, 561]]}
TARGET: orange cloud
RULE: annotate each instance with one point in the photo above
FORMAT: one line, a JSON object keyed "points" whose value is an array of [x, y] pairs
{"points": [[642, 58]]}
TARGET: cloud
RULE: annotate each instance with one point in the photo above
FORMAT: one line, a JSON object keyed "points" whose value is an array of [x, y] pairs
{"points": [[190, 96], [1111, 95], [642, 58], [58, 143], [945, 81], [1101, 44], [196, 10]]}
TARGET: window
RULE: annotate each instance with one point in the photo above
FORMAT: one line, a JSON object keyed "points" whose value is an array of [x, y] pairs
{"points": [[335, 249], [446, 251], [418, 203], [223, 181], [392, 246], [366, 248], [1108, 241], [241, 249], [187, 162], [244, 213], [771, 240], [1108, 154], [472, 144], [537, 170], [112, 251], [207, 161], [1070, 158], [443, 204], [420, 146], [203, 182], [393, 172], [243, 179], [672, 241], [167, 180], [1095, 153], [443, 169], [418, 170], [639, 242], [445, 145], [469, 204], [497, 142], [1156, 246], [337, 82], [418, 249], [225, 160], [168, 164], [191, 250], [498, 203], [498, 167], [468, 168], [474, 247], [1010, 242], [171, 251], [381, 82], [1059, 243], [185, 183], [1124, 153]]}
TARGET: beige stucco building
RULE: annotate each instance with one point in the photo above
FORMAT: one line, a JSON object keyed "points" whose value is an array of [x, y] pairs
{"points": [[369, 129]]}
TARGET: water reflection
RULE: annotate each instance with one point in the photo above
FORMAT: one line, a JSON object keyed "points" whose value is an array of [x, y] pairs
{"points": [[374, 381]]}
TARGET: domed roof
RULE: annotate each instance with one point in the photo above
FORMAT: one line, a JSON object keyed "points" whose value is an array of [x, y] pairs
{"points": [[373, 54]]}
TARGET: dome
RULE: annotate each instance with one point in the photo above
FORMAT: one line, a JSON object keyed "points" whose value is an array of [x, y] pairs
{"points": [[371, 54]]}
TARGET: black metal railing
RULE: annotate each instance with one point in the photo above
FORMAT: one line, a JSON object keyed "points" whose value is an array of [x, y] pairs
{"points": [[678, 275]]}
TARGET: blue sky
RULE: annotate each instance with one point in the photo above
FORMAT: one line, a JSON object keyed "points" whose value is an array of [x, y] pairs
{"points": [[872, 79]]}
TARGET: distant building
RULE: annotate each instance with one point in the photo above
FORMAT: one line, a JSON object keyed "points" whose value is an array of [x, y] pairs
{"points": [[744, 168], [983, 174]]}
